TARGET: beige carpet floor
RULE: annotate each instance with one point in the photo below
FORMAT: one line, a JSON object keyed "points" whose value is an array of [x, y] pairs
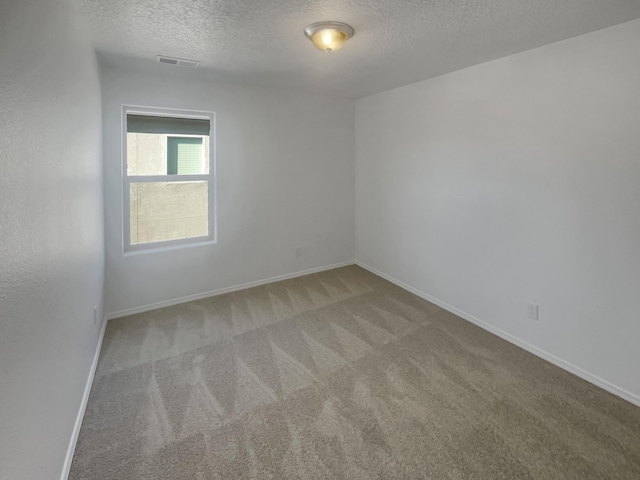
{"points": [[339, 375]]}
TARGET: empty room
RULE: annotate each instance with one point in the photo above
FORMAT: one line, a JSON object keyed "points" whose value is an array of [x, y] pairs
{"points": [[339, 239]]}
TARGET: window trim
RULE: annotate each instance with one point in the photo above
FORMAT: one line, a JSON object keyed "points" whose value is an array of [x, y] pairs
{"points": [[210, 177]]}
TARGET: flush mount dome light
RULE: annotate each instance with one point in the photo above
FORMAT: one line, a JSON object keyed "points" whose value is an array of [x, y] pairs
{"points": [[328, 36]]}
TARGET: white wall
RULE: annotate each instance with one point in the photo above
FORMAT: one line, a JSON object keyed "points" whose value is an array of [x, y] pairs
{"points": [[51, 231], [516, 181], [285, 179]]}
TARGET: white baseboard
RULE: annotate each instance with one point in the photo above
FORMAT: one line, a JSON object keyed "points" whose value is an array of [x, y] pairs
{"points": [[221, 291], [83, 406], [589, 377]]}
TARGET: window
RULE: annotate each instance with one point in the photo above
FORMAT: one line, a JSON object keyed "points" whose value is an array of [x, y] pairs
{"points": [[168, 178], [185, 155]]}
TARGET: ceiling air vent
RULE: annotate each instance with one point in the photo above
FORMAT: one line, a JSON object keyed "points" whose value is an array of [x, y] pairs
{"points": [[177, 61]]}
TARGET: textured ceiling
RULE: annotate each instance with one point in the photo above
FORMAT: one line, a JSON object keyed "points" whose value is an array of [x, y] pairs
{"points": [[397, 42]]}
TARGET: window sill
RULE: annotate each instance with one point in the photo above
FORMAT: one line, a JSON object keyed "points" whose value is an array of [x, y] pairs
{"points": [[167, 248]]}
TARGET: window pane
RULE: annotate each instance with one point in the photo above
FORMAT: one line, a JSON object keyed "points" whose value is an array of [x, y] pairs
{"points": [[152, 154], [185, 156], [163, 211]]}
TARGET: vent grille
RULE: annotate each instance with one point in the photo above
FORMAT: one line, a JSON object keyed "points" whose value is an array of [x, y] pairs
{"points": [[177, 61]]}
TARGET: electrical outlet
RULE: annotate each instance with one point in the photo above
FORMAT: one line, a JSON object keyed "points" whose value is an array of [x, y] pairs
{"points": [[95, 315], [532, 311], [298, 251]]}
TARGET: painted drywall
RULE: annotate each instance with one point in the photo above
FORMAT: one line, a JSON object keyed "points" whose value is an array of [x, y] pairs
{"points": [[285, 178], [516, 181], [51, 231]]}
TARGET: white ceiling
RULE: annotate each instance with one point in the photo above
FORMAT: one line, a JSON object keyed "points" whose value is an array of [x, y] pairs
{"points": [[397, 42]]}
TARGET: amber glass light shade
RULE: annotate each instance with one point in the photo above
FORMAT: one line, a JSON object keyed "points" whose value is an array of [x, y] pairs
{"points": [[328, 36]]}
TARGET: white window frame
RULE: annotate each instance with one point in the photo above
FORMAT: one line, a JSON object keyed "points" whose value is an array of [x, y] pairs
{"points": [[209, 177]]}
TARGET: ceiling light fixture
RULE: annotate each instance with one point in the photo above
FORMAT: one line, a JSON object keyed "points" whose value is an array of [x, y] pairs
{"points": [[328, 36]]}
